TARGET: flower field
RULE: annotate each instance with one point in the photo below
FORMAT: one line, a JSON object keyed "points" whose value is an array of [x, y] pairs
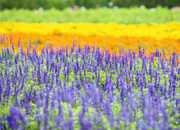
{"points": [[105, 35], [89, 76]]}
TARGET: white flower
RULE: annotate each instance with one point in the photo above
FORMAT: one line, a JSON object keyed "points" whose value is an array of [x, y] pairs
{"points": [[153, 10], [142, 7], [40, 10], [115, 7], [83, 8], [110, 4]]}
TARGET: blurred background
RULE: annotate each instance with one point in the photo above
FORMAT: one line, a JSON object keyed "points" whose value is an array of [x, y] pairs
{"points": [[62, 4]]}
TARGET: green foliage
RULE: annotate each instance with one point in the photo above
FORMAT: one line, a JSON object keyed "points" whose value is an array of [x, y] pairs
{"points": [[102, 15], [61, 4]]}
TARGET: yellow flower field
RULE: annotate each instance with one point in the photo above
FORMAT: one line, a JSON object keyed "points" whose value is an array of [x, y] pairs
{"points": [[158, 31], [111, 35]]}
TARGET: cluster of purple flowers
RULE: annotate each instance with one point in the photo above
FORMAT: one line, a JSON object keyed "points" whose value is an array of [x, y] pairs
{"points": [[88, 88]]}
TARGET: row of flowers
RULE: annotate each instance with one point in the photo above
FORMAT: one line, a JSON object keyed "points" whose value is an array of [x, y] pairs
{"points": [[158, 31], [75, 88], [106, 35], [112, 43]]}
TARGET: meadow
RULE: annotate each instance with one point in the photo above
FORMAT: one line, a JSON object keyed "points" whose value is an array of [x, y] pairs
{"points": [[93, 69], [119, 15]]}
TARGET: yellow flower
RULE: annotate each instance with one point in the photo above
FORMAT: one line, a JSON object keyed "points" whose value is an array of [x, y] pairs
{"points": [[158, 31]]}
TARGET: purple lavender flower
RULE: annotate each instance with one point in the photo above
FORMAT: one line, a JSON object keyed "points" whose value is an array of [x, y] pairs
{"points": [[12, 119]]}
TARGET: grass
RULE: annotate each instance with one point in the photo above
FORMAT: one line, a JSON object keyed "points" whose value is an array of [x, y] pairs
{"points": [[121, 15]]}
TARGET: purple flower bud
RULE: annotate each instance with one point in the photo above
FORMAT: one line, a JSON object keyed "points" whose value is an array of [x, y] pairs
{"points": [[14, 117]]}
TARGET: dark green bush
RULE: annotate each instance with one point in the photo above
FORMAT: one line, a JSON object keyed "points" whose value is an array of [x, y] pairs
{"points": [[61, 4]]}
